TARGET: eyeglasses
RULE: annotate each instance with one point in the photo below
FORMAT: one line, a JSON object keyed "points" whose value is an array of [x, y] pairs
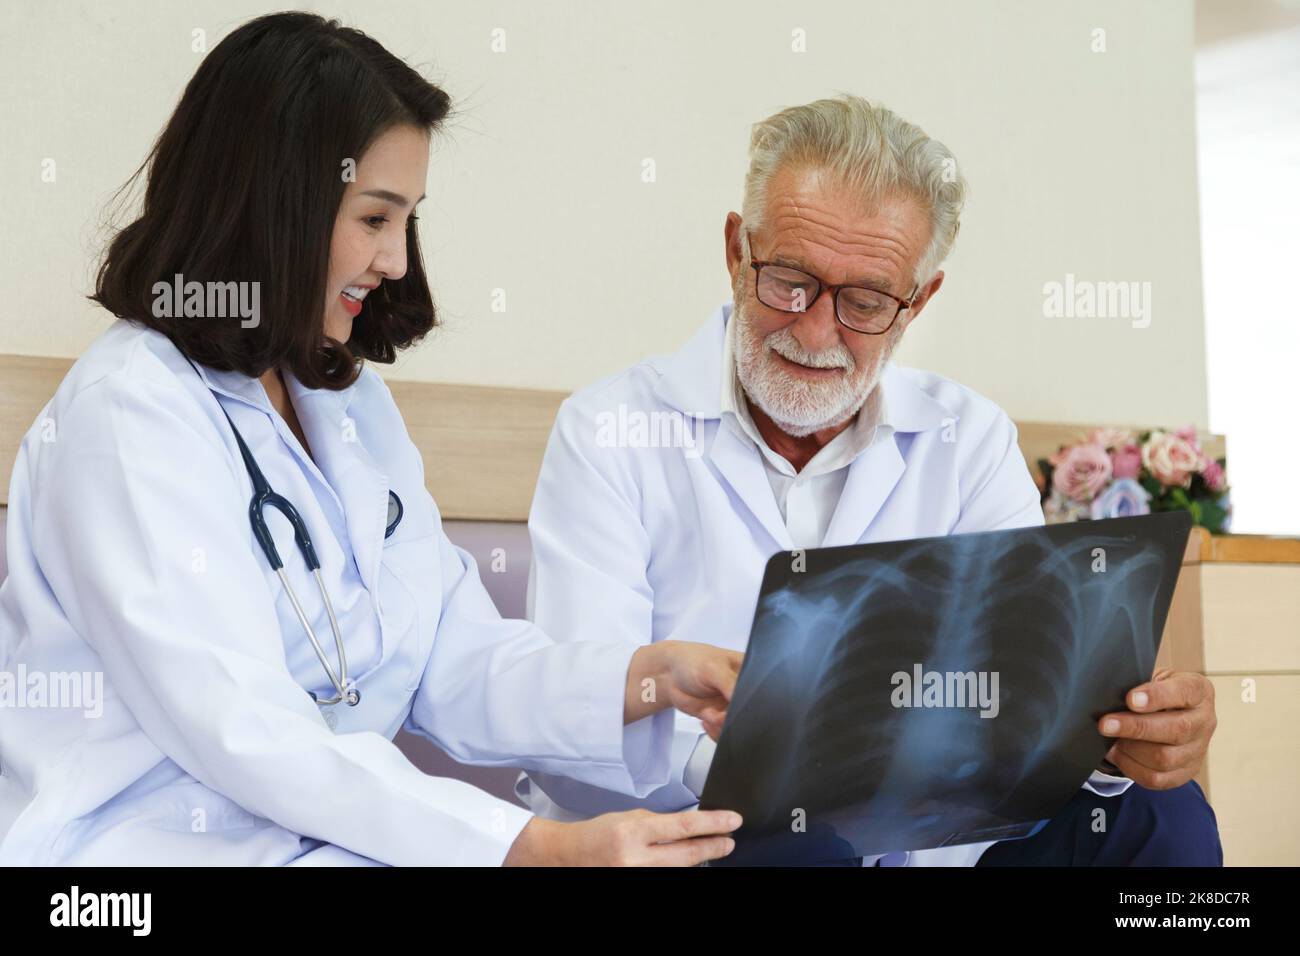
{"points": [[869, 311]]}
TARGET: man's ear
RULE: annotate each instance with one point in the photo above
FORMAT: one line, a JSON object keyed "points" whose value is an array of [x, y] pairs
{"points": [[731, 237], [924, 296]]}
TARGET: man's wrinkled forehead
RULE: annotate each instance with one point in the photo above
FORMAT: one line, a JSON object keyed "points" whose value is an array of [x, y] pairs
{"points": [[814, 222]]}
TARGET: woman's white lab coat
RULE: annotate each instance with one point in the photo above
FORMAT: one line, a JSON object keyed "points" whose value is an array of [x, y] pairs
{"points": [[132, 563]]}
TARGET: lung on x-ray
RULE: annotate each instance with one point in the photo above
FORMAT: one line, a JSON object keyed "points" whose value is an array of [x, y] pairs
{"points": [[937, 691]]}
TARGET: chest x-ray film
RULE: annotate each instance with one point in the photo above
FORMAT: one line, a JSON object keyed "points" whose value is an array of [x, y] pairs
{"points": [[939, 691]]}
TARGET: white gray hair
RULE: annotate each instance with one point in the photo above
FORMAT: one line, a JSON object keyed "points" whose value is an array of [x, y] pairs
{"points": [[869, 149]]}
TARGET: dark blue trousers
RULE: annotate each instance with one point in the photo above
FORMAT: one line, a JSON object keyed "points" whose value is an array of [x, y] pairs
{"points": [[1138, 828]]}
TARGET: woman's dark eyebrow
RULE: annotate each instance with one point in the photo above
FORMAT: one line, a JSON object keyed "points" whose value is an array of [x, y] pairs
{"points": [[396, 199]]}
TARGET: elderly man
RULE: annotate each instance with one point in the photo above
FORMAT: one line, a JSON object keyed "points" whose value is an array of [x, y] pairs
{"points": [[795, 431]]}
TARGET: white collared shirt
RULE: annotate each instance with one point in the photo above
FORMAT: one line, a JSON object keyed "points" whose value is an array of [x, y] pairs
{"points": [[807, 498]]}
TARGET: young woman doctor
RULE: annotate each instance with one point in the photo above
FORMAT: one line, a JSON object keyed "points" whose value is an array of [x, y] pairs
{"points": [[245, 711]]}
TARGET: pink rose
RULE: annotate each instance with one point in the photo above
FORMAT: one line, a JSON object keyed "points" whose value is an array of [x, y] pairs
{"points": [[1126, 462], [1188, 434], [1083, 472], [1110, 437], [1171, 459], [1215, 479]]}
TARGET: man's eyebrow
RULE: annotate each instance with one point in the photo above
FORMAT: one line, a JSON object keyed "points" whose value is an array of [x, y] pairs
{"points": [[396, 199], [869, 282]]}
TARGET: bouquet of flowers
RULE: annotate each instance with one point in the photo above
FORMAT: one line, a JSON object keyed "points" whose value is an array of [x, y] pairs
{"points": [[1112, 473]]}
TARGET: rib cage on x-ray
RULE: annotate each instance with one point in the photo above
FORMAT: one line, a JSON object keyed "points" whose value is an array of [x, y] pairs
{"points": [[1064, 636]]}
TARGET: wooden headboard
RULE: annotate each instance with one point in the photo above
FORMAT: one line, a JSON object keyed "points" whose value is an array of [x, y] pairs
{"points": [[482, 446]]}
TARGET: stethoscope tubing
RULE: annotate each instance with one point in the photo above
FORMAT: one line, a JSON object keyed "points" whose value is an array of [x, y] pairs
{"points": [[263, 495]]}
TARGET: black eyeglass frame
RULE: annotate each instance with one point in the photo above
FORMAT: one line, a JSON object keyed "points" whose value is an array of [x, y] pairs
{"points": [[758, 265]]}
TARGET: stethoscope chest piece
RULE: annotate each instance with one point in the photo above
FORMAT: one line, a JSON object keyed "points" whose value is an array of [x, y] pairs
{"points": [[395, 511], [350, 696]]}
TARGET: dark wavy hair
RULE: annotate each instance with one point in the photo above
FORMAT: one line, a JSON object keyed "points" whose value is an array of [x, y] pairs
{"points": [[244, 185]]}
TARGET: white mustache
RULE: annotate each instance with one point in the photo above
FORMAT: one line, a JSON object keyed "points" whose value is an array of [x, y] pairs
{"points": [[784, 344]]}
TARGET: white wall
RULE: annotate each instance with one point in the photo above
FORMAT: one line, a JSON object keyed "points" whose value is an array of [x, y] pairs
{"points": [[1080, 162], [1249, 131]]}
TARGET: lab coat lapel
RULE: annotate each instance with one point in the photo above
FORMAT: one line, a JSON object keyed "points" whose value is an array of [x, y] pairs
{"points": [[692, 384], [871, 479], [692, 377], [740, 464], [358, 481], [363, 488], [905, 409]]}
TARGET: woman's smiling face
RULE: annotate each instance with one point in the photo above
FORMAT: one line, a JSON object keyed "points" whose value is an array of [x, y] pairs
{"points": [[369, 240]]}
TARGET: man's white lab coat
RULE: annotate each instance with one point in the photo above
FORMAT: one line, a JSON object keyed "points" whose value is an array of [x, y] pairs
{"points": [[652, 521]]}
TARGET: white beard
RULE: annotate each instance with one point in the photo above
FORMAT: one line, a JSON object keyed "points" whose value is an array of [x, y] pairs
{"points": [[799, 406]]}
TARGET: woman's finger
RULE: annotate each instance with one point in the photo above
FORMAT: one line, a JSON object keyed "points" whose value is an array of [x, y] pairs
{"points": [[688, 824], [691, 852]]}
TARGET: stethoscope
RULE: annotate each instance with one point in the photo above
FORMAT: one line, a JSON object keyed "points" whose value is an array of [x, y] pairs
{"points": [[344, 687]]}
